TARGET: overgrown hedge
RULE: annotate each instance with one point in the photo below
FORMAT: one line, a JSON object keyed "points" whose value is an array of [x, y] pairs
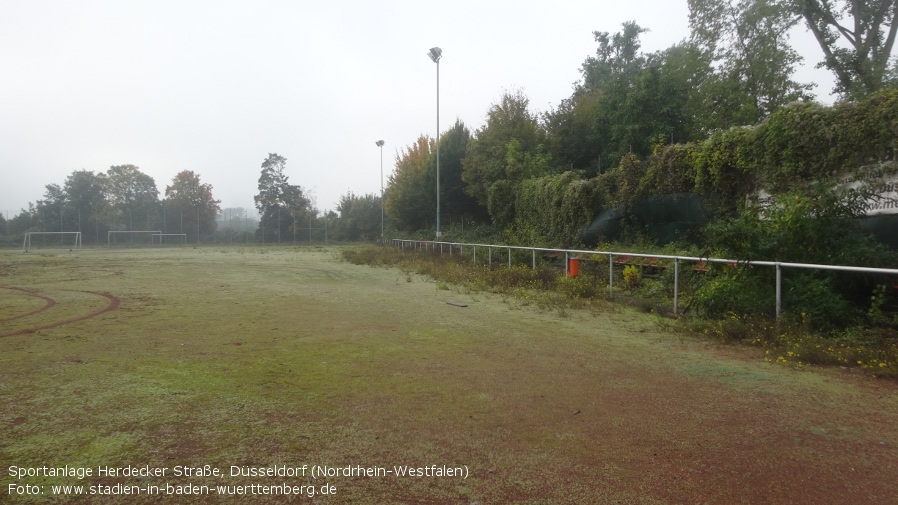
{"points": [[798, 144], [552, 209]]}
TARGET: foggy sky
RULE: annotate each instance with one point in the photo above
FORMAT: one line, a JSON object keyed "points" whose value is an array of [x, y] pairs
{"points": [[215, 86]]}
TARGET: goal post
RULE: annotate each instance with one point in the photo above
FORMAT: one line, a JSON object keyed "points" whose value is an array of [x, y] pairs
{"points": [[26, 243], [163, 235], [111, 233]]}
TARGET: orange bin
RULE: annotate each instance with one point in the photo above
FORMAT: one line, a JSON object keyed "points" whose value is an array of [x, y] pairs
{"points": [[573, 267]]}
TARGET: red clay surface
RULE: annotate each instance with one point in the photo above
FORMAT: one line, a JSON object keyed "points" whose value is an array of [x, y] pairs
{"points": [[114, 303]]}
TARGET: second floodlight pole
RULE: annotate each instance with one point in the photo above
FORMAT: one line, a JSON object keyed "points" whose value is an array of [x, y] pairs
{"points": [[435, 54], [380, 144]]}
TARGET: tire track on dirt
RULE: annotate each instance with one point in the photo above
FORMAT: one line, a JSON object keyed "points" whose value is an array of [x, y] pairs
{"points": [[50, 302], [114, 303]]}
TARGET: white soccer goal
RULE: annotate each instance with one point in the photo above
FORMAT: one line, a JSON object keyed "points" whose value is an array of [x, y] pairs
{"points": [[130, 232], [26, 244], [163, 235]]}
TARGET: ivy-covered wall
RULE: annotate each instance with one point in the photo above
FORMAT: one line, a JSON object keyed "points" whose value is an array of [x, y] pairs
{"points": [[552, 209], [795, 146]]}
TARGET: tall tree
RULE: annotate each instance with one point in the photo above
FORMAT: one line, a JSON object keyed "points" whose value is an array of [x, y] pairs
{"points": [[508, 149], [455, 202], [51, 209], [641, 97], [133, 198], [410, 198], [867, 27], [572, 132], [747, 42], [687, 70], [359, 219], [618, 60], [190, 203], [85, 191], [282, 206], [26, 220]]}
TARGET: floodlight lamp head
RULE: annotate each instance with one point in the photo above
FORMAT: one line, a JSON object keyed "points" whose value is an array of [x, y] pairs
{"points": [[380, 143], [435, 53]]}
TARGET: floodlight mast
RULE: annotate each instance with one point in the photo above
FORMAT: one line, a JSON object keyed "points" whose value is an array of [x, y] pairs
{"points": [[380, 144], [435, 54]]}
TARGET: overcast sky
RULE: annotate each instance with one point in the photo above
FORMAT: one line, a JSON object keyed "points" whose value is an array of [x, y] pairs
{"points": [[215, 86]]}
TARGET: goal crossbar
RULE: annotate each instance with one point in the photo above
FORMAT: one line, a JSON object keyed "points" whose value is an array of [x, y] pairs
{"points": [[26, 244]]}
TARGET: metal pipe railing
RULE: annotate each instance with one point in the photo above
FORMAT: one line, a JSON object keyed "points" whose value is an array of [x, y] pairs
{"points": [[403, 243]]}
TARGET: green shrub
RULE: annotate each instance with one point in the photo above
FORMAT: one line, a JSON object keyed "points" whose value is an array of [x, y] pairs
{"points": [[820, 225], [632, 276], [815, 297], [730, 293]]}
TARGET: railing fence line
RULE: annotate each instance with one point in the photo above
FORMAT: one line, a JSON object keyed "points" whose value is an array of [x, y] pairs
{"points": [[575, 253]]}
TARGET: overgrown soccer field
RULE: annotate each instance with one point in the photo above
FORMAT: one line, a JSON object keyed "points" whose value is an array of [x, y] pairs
{"points": [[249, 361]]}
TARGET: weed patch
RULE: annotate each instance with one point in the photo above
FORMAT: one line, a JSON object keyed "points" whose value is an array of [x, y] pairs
{"points": [[797, 344], [546, 288]]}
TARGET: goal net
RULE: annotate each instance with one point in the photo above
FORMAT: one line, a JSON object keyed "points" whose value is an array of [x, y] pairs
{"points": [[76, 244], [180, 238]]}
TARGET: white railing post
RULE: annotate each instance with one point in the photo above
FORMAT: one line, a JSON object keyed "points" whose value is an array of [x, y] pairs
{"points": [[779, 290], [676, 284], [610, 275]]}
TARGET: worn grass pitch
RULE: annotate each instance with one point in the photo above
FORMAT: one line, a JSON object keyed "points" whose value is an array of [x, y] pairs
{"points": [[282, 356]]}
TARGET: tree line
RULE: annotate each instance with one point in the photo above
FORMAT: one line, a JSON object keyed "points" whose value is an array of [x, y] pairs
{"points": [[287, 211], [735, 71], [629, 129], [121, 199], [125, 199], [710, 146]]}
